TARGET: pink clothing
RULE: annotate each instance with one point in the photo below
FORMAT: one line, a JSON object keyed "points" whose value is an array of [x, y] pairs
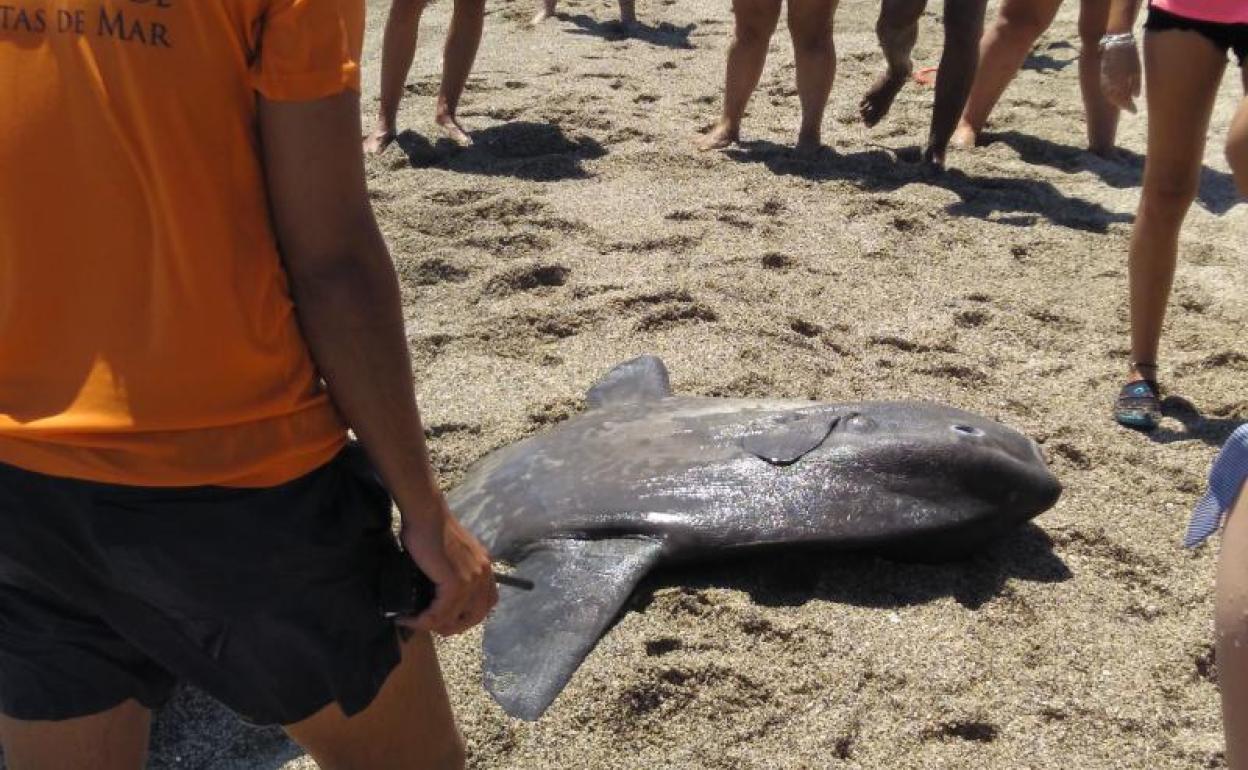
{"points": [[1215, 11]]}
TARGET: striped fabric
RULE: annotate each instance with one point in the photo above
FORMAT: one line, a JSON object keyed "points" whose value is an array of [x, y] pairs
{"points": [[1225, 481]]}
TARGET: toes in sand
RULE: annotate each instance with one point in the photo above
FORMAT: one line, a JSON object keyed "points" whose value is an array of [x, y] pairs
{"points": [[453, 131], [723, 135], [378, 141]]}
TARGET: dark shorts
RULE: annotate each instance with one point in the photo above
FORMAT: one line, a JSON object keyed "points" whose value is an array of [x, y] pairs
{"points": [[263, 598], [1227, 37]]}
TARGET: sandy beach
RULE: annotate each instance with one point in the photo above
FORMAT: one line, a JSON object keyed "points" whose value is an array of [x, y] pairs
{"points": [[583, 229]]}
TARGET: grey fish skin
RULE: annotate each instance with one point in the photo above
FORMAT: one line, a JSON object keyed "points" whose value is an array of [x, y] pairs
{"points": [[676, 469], [586, 509]]}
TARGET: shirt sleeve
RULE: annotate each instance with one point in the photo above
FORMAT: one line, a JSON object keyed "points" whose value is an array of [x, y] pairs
{"points": [[309, 49]]}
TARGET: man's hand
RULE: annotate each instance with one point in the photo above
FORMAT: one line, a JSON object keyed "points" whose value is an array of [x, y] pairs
{"points": [[458, 566], [1120, 75]]}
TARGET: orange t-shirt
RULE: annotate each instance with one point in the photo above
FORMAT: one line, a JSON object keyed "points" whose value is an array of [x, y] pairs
{"points": [[147, 333]]}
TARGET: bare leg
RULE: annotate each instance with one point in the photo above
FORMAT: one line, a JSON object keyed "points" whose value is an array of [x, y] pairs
{"points": [[397, 52], [1232, 634], [548, 10], [964, 24], [408, 727], [1237, 142], [755, 22], [897, 29], [810, 26], [113, 740], [1002, 52], [628, 13], [1102, 116], [1182, 72], [462, 41]]}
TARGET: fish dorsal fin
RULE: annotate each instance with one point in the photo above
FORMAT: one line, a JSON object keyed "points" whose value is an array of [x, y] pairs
{"points": [[632, 382], [536, 639], [794, 437]]}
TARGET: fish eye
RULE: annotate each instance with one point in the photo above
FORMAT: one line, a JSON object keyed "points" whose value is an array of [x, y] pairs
{"points": [[967, 430]]}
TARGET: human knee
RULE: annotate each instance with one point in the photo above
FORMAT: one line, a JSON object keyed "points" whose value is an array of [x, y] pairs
{"points": [[1023, 26], [753, 32], [812, 43], [1170, 198]]}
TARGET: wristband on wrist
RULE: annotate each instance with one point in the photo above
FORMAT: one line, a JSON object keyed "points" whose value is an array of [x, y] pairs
{"points": [[1117, 40]]}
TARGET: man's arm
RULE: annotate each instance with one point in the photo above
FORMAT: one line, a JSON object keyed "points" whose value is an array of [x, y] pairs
{"points": [[347, 299]]}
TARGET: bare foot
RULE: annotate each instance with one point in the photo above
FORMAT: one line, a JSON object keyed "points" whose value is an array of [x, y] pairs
{"points": [[379, 140], [1107, 152], [541, 16], [964, 137], [879, 98], [933, 159], [454, 131], [721, 136], [809, 143]]}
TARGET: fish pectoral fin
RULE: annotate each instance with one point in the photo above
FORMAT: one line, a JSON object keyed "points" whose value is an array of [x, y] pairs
{"points": [[535, 640], [791, 440], [632, 382]]}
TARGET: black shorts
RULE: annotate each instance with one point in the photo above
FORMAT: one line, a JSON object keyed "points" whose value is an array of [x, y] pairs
{"points": [[1227, 37], [264, 598]]}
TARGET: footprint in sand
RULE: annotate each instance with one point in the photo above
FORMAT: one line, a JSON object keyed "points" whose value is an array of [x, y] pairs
{"points": [[433, 271], [526, 278]]}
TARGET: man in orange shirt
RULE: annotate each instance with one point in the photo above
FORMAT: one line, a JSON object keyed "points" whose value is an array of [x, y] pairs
{"points": [[195, 305]]}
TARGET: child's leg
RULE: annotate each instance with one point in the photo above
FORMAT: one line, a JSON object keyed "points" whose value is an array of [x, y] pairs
{"points": [[897, 29], [1232, 634], [1002, 52], [810, 26], [1102, 116], [755, 21], [964, 24], [1182, 72], [397, 52], [628, 12], [1237, 142], [462, 41], [548, 10]]}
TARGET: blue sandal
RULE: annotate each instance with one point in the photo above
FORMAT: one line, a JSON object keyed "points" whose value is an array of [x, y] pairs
{"points": [[1139, 405]]}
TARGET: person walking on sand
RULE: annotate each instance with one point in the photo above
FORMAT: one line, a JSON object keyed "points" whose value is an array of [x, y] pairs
{"points": [[898, 30], [398, 50], [1004, 49], [810, 27], [1185, 52], [193, 313], [628, 13]]}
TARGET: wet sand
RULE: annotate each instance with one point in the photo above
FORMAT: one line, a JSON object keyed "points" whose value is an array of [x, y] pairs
{"points": [[583, 230]]}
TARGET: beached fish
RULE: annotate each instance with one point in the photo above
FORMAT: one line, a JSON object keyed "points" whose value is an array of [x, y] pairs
{"points": [[643, 478]]}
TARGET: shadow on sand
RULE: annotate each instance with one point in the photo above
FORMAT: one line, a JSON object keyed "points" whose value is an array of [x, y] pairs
{"points": [[865, 580], [663, 35], [1213, 431], [194, 731], [1217, 193], [1038, 61], [1005, 200], [538, 152]]}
